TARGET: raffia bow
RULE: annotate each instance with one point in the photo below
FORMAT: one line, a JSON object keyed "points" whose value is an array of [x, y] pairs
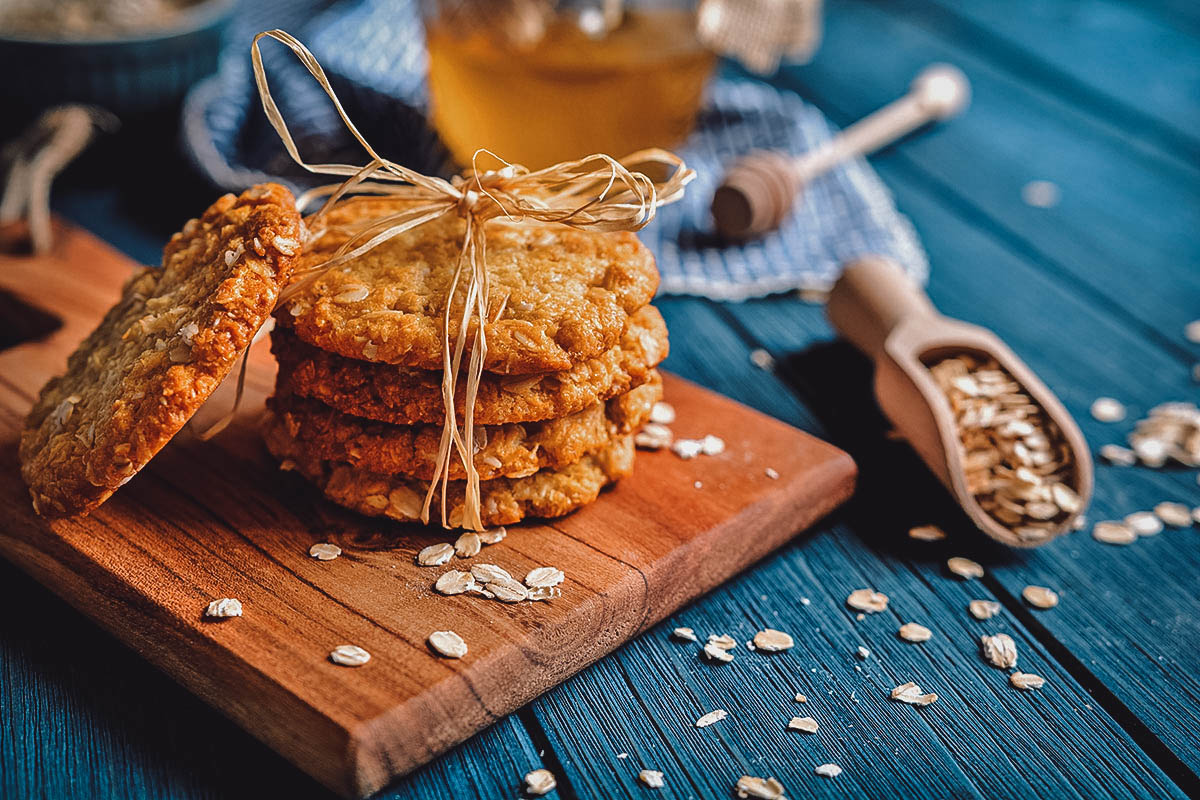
{"points": [[596, 193]]}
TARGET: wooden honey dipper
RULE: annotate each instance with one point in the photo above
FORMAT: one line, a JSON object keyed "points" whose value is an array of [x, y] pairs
{"points": [[883, 313], [758, 190]]}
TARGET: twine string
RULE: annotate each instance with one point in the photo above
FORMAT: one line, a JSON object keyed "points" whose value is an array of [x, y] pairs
{"points": [[597, 193]]}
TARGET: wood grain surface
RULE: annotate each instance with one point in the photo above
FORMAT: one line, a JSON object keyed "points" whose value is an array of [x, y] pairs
{"points": [[209, 520]]}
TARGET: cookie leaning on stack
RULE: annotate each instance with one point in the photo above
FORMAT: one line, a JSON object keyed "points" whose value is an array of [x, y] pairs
{"points": [[572, 343]]}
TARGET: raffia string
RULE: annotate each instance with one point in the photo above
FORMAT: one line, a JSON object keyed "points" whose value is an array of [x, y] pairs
{"points": [[596, 193]]}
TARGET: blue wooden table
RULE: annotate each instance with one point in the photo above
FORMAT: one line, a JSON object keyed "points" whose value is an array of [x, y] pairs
{"points": [[1101, 97]]}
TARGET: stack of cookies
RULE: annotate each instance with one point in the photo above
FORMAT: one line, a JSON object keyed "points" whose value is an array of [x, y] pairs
{"points": [[572, 344]]}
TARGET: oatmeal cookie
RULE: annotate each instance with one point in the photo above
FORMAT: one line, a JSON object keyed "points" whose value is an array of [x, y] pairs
{"points": [[160, 351], [409, 397], [558, 296], [512, 450], [504, 501]]}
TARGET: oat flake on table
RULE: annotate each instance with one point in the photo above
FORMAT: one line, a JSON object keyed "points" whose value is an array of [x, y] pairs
{"points": [[454, 582], [1118, 455], [544, 577], [926, 533], [803, 724], [983, 609], [223, 608], [711, 717], [494, 536], [759, 788], [723, 641], [999, 650], [1106, 409], [828, 770], [324, 551], [1177, 515], [1026, 680], [912, 694], [1144, 523], [773, 641], [1110, 532], [349, 655], [914, 632], [448, 644], [867, 600], [1040, 596], [662, 413], [652, 778], [684, 635], [435, 554], [539, 782], [714, 652], [468, 545], [964, 568]]}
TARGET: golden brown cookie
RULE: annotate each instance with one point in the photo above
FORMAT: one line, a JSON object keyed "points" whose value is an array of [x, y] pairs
{"points": [[512, 450], [504, 501], [558, 296], [160, 351], [409, 397]]}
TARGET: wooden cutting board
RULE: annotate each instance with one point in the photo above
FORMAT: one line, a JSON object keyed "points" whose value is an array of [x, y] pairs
{"points": [[217, 519]]}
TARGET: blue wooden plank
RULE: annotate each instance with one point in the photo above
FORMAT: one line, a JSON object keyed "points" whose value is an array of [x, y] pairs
{"points": [[1127, 63], [1125, 226], [82, 716], [1128, 616], [982, 738]]}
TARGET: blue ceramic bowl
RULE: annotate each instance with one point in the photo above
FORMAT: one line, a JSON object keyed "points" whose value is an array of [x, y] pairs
{"points": [[138, 73]]}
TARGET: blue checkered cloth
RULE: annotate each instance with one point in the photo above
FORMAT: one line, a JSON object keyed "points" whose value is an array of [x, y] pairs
{"points": [[374, 54]]}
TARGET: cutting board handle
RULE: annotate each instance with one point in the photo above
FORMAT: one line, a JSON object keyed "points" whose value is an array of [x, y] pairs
{"points": [[871, 298]]}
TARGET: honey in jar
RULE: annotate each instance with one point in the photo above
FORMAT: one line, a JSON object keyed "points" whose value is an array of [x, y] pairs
{"points": [[567, 93]]}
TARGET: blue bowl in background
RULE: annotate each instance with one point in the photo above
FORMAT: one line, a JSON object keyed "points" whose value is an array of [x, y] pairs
{"points": [[134, 74]]}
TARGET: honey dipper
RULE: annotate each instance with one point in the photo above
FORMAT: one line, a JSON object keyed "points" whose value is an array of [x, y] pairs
{"points": [[884, 314], [758, 190]]}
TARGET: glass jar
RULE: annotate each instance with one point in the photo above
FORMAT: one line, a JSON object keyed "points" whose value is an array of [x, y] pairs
{"points": [[539, 81]]}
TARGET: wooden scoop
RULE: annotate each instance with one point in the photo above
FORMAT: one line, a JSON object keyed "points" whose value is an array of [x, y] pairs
{"points": [[757, 192], [884, 314]]}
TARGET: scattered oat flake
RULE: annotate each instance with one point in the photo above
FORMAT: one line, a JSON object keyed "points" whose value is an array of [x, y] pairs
{"points": [[1192, 331], [715, 653], [225, 607], [926, 533], [324, 551], [1113, 533], [964, 568], [1106, 409], [1118, 455], [803, 724], [723, 641], [544, 593], [539, 782], [772, 641], [1177, 515], [687, 448], [662, 413], [759, 788], [1144, 523], [1040, 194], [544, 577], [684, 634], [653, 436], [1026, 680], [762, 359], [914, 632], [1000, 650], [507, 590], [652, 778], [485, 573], [448, 644], [867, 600], [712, 445], [983, 609], [799, 698], [772, 474], [435, 554], [1040, 596], [711, 717], [455, 582], [862, 653], [494, 536], [912, 694], [828, 770], [468, 545], [349, 655]]}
